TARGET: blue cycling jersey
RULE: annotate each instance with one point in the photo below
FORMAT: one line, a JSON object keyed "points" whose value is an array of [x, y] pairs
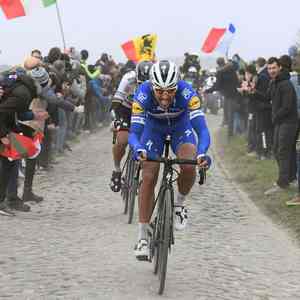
{"points": [[183, 115]]}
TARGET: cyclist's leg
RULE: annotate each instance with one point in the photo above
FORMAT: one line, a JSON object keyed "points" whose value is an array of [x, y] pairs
{"points": [[146, 196], [184, 145], [119, 148], [187, 174], [153, 142]]}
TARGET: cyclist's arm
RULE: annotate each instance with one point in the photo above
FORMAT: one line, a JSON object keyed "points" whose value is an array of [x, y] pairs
{"points": [[119, 96], [137, 127], [198, 122]]}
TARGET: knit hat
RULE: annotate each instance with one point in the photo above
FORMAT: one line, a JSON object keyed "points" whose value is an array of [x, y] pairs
{"points": [[40, 75], [84, 54]]}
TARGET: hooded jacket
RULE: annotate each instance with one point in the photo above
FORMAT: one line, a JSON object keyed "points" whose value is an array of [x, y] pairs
{"points": [[16, 101], [284, 100]]}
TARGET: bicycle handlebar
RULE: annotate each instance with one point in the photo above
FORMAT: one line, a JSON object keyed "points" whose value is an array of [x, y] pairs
{"points": [[175, 161], [178, 161]]}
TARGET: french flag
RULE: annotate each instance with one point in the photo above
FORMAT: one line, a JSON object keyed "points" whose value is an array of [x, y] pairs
{"points": [[219, 39]]}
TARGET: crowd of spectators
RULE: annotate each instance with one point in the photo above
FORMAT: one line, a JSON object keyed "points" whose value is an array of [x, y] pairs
{"points": [[261, 102], [60, 95]]}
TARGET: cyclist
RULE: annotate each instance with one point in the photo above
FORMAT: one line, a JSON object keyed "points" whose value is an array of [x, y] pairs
{"points": [[121, 105], [162, 106]]}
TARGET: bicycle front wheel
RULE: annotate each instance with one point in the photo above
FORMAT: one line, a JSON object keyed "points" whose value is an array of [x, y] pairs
{"points": [[133, 188], [165, 234]]}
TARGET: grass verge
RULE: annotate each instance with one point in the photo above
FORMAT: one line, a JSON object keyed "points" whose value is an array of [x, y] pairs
{"points": [[255, 177]]}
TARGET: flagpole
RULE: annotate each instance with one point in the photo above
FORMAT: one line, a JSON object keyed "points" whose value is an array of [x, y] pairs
{"points": [[227, 54], [60, 25]]}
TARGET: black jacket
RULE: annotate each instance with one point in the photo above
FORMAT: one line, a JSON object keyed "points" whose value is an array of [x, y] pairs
{"points": [[261, 91], [226, 82], [284, 100], [261, 101], [16, 101]]}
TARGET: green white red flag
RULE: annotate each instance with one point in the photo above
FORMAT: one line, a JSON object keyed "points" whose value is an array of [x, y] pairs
{"points": [[18, 8]]}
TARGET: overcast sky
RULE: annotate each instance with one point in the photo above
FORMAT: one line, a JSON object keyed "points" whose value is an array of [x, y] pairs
{"points": [[263, 26]]}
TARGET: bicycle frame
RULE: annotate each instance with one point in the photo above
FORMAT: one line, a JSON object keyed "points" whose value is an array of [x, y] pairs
{"points": [[168, 171]]}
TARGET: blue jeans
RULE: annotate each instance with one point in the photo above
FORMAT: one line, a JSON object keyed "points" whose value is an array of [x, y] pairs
{"points": [[238, 127], [62, 131]]}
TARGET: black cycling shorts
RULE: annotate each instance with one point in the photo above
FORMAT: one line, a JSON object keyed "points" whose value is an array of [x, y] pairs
{"points": [[123, 115]]}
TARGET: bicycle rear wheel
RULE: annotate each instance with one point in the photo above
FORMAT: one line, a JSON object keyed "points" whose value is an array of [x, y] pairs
{"points": [[165, 238], [125, 184]]}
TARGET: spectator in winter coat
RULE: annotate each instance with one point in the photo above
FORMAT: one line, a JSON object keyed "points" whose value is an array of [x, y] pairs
{"points": [[227, 83], [264, 127], [15, 101], [245, 90], [295, 79], [285, 121]]}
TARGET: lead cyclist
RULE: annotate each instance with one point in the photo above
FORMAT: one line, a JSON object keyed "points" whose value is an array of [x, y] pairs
{"points": [[166, 105]]}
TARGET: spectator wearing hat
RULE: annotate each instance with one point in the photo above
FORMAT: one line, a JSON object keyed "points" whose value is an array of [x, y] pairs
{"points": [[53, 102], [41, 78], [16, 101]]}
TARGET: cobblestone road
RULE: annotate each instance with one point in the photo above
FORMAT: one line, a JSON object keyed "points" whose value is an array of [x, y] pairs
{"points": [[76, 244]]}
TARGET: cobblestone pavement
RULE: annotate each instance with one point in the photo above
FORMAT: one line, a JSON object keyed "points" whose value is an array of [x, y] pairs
{"points": [[76, 244]]}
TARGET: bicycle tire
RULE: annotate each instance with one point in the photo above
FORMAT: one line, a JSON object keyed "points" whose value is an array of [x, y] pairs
{"points": [[156, 233], [125, 185], [165, 243], [134, 184]]}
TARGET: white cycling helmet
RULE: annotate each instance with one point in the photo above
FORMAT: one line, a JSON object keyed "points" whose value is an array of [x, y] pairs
{"points": [[164, 75], [192, 70]]}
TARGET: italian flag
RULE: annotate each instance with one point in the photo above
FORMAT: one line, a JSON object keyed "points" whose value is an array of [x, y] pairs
{"points": [[19, 8]]}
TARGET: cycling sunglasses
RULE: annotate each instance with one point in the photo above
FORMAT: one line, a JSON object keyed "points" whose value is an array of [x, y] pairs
{"points": [[160, 92]]}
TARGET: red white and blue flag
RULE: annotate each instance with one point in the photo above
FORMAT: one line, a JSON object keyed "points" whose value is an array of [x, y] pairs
{"points": [[219, 39]]}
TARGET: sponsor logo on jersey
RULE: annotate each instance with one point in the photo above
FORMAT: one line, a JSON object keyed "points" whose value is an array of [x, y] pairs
{"points": [[194, 103], [141, 97], [186, 93], [137, 109]]}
